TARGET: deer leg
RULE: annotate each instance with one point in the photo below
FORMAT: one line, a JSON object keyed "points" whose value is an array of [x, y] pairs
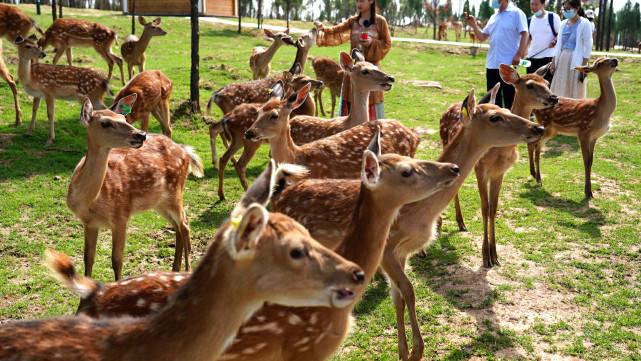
{"points": [[118, 61], [118, 237], [333, 104], [495, 190], [34, 113], [51, 108], [68, 51], [587, 150], [110, 61], [212, 144], [144, 121], [59, 51], [91, 239], [162, 115], [531, 147], [141, 66], [235, 145], [459, 214], [176, 216], [130, 70], [537, 159], [483, 193], [249, 149], [4, 73]]}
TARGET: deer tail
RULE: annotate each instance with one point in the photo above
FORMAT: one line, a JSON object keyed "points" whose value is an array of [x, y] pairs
{"points": [[215, 98], [195, 164], [62, 269], [287, 174]]}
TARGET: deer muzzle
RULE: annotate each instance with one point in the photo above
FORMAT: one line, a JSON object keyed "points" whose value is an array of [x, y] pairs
{"points": [[249, 134]]}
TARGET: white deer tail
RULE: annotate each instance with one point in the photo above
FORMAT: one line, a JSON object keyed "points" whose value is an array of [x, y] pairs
{"points": [[63, 270], [196, 164]]}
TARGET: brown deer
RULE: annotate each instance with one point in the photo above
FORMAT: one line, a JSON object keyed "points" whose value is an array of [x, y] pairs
{"points": [[330, 157], [327, 215], [153, 89], [200, 322], [330, 73], [303, 45], [532, 92], [586, 119], [234, 125], [442, 30], [4, 74], [65, 33], [133, 49], [53, 82], [14, 23], [109, 185], [458, 29], [260, 60], [282, 333]]}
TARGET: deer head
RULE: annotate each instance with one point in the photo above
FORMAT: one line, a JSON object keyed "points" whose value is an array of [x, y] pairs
{"points": [[532, 89], [282, 38], [109, 128], [28, 48], [496, 126], [307, 40], [602, 67], [152, 27], [366, 75], [299, 81]]}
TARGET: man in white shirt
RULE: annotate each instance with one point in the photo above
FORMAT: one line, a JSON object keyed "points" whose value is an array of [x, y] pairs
{"points": [[507, 31], [543, 27]]}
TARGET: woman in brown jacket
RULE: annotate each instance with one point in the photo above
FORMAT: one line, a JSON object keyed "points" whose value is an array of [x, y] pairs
{"points": [[367, 32]]}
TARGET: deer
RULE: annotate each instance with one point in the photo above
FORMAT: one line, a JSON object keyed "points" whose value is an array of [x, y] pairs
{"points": [[330, 157], [14, 22], [327, 215], [153, 90], [303, 45], [586, 119], [458, 29], [53, 82], [133, 49], [260, 60], [531, 92], [234, 125], [312, 333], [4, 74], [442, 30], [226, 288], [330, 73], [119, 177], [65, 33]]}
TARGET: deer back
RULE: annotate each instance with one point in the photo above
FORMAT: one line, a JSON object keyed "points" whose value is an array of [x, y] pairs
{"points": [[67, 82], [14, 22], [152, 88], [67, 31]]}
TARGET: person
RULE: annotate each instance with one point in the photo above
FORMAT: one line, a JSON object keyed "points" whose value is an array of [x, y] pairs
{"points": [[572, 49], [543, 27], [368, 32], [507, 31], [589, 14]]}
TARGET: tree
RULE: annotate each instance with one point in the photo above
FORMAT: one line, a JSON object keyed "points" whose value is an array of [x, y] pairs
{"points": [[525, 6], [485, 10], [431, 10], [53, 9], [194, 93]]}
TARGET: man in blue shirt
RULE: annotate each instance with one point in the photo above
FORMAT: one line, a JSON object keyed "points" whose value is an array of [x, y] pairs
{"points": [[507, 31]]}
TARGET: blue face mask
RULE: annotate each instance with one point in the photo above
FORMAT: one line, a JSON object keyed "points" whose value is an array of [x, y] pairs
{"points": [[538, 13], [568, 14], [495, 4]]}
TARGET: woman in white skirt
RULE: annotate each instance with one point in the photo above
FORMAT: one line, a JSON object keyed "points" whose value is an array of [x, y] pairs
{"points": [[572, 49]]}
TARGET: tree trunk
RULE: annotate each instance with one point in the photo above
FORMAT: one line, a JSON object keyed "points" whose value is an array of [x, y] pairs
{"points": [[194, 95], [60, 9], [287, 12], [53, 9], [607, 44], [133, 17], [259, 16], [239, 16]]}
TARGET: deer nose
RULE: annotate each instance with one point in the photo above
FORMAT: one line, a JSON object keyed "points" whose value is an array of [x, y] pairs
{"points": [[539, 130], [554, 99], [616, 61], [455, 169], [140, 136], [390, 79], [249, 134], [359, 276]]}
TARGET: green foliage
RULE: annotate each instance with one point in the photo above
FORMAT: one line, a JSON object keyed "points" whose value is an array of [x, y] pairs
{"points": [[628, 24], [525, 6], [485, 10]]}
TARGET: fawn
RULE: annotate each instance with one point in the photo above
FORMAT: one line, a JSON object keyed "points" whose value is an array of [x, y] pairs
{"points": [[145, 172], [330, 73], [303, 45], [586, 119], [201, 320], [260, 60], [133, 49]]}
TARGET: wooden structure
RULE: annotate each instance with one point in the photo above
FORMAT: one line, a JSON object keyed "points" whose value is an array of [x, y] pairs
{"points": [[181, 7]]}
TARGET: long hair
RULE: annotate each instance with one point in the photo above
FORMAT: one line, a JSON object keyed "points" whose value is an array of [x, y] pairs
{"points": [[576, 4], [372, 14]]}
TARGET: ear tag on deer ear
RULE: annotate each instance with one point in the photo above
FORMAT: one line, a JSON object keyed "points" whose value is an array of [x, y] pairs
{"points": [[125, 109], [464, 111], [235, 221], [270, 90]]}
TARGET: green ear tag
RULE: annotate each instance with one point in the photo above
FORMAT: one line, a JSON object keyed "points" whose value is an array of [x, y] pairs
{"points": [[125, 109]]}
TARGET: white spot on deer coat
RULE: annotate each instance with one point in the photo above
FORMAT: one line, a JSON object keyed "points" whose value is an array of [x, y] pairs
{"points": [[141, 302]]}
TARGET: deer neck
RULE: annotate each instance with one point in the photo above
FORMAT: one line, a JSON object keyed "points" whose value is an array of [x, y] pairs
{"points": [[271, 51], [88, 177], [301, 57], [24, 70], [360, 108], [608, 99], [282, 146], [143, 42], [520, 107]]}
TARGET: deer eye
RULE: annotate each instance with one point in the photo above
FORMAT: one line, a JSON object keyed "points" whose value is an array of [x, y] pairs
{"points": [[365, 72], [105, 124], [297, 253], [530, 86], [494, 118], [407, 173], [274, 116]]}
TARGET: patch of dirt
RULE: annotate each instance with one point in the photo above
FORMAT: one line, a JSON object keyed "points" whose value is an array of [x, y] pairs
{"points": [[424, 83], [231, 72]]}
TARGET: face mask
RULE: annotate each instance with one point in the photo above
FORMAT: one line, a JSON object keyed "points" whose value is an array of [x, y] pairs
{"points": [[538, 13], [568, 14], [495, 4]]}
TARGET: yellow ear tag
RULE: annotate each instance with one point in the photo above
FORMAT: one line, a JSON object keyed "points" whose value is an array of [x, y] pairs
{"points": [[235, 221], [464, 111], [270, 90]]}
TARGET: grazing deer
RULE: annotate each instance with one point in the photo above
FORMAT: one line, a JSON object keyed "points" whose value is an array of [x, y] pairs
{"points": [[200, 322], [153, 89], [365, 78], [586, 119], [532, 92], [144, 172], [442, 30], [4, 74], [327, 215], [14, 23], [331, 157], [133, 49], [65, 33], [53, 82], [330, 73], [234, 125], [303, 44], [260, 60], [282, 333]]}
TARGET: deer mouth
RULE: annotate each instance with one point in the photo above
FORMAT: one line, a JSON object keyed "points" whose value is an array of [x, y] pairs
{"points": [[341, 297], [386, 86], [289, 41], [531, 138], [136, 143]]}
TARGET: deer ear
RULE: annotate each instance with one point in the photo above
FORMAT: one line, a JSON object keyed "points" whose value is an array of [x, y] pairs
{"points": [[86, 112], [508, 74], [543, 70], [370, 173], [357, 55], [260, 191], [18, 40], [268, 33], [375, 144], [287, 31], [297, 99], [277, 90], [156, 21], [347, 64], [287, 76], [493, 92], [584, 69], [297, 69], [141, 20], [247, 231], [287, 174], [467, 108], [124, 105]]}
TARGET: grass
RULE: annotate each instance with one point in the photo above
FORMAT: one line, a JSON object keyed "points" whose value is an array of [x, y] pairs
{"points": [[569, 285]]}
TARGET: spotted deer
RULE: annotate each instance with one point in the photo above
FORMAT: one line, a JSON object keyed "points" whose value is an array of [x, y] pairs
{"points": [[133, 49], [327, 215], [365, 78], [303, 45], [331, 157], [330, 73], [65, 33], [586, 119], [4, 74], [234, 125], [142, 172], [53, 82], [442, 30], [153, 89], [203, 317], [261, 58], [531, 92], [278, 332], [458, 29], [14, 22]]}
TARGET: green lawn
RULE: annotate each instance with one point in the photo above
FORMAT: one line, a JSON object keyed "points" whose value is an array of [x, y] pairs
{"points": [[570, 283]]}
